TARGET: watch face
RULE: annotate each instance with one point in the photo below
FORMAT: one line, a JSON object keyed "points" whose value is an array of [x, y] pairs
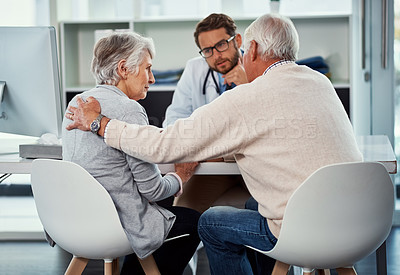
{"points": [[94, 126]]}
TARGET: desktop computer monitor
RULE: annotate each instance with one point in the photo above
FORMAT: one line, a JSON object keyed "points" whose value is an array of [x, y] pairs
{"points": [[30, 94]]}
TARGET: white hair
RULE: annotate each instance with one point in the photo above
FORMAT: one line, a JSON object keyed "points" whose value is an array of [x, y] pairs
{"points": [[275, 35], [109, 50]]}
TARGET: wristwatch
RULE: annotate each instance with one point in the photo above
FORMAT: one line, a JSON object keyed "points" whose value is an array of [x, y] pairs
{"points": [[95, 125]]}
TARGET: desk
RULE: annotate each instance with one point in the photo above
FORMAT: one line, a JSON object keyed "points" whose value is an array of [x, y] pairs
{"points": [[373, 148], [378, 148]]}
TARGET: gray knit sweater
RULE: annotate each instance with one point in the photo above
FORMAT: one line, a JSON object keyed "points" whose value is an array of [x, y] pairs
{"points": [[134, 185]]}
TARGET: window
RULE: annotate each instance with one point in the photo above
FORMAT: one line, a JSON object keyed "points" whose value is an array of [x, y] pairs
{"points": [[397, 92], [24, 13]]}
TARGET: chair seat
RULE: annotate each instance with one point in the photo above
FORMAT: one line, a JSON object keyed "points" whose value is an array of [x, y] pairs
{"points": [[79, 215], [336, 217]]}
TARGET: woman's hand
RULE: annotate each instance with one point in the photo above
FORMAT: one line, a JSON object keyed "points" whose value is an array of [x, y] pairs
{"points": [[185, 170], [83, 115]]}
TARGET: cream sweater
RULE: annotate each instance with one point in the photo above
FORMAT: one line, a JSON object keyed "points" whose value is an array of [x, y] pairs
{"points": [[281, 128]]}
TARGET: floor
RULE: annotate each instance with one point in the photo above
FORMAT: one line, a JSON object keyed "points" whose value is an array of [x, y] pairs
{"points": [[24, 251], [36, 257]]}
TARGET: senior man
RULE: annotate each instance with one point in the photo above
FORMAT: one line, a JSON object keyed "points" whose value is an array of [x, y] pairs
{"points": [[281, 127]]}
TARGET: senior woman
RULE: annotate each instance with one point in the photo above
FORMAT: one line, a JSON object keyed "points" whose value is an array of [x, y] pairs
{"points": [[121, 66]]}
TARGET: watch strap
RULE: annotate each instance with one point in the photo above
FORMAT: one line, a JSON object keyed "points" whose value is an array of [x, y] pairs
{"points": [[97, 122]]}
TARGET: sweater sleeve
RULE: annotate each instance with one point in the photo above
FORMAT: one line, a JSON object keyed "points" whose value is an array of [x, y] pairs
{"points": [[149, 181], [214, 130]]}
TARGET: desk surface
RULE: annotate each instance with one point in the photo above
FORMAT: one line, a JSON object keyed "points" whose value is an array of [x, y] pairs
{"points": [[378, 148], [373, 148]]}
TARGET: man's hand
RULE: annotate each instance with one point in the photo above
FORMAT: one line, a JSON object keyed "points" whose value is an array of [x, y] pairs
{"points": [[237, 75], [185, 170], [84, 114]]}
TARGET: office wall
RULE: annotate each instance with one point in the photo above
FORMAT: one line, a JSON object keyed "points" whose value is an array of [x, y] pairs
{"points": [[17, 13]]}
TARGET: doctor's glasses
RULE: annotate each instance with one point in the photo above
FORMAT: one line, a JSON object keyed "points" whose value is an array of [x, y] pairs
{"points": [[221, 46]]}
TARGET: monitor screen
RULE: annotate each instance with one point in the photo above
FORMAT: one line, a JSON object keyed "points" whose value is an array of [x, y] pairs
{"points": [[30, 97]]}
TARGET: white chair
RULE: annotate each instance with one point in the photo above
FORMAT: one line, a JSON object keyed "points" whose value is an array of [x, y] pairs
{"points": [[80, 216], [337, 216]]}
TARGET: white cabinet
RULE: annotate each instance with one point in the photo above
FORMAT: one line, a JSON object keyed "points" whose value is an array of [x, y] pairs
{"points": [[77, 40], [322, 32], [173, 39], [324, 36]]}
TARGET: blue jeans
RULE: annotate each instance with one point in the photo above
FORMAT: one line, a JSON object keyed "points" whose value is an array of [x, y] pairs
{"points": [[226, 230], [260, 263]]}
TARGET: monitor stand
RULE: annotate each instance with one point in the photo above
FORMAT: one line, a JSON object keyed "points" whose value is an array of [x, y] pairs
{"points": [[2, 88]]}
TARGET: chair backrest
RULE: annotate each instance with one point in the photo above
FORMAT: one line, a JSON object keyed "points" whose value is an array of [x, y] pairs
{"points": [[76, 211], [339, 215]]}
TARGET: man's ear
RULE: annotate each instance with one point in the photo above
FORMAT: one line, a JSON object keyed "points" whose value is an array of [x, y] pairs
{"points": [[122, 70], [253, 51]]}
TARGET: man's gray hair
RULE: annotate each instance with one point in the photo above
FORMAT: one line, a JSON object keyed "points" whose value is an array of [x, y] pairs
{"points": [[275, 35], [109, 50]]}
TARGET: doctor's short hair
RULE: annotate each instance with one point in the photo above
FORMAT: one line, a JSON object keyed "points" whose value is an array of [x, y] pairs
{"points": [[275, 35], [111, 49], [212, 22]]}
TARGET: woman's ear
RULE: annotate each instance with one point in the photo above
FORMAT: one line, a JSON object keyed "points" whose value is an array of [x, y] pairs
{"points": [[122, 70]]}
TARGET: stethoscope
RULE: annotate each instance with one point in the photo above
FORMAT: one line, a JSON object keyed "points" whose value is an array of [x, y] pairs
{"points": [[215, 82]]}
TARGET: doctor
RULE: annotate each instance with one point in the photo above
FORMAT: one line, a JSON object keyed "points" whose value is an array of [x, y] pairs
{"points": [[218, 69]]}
